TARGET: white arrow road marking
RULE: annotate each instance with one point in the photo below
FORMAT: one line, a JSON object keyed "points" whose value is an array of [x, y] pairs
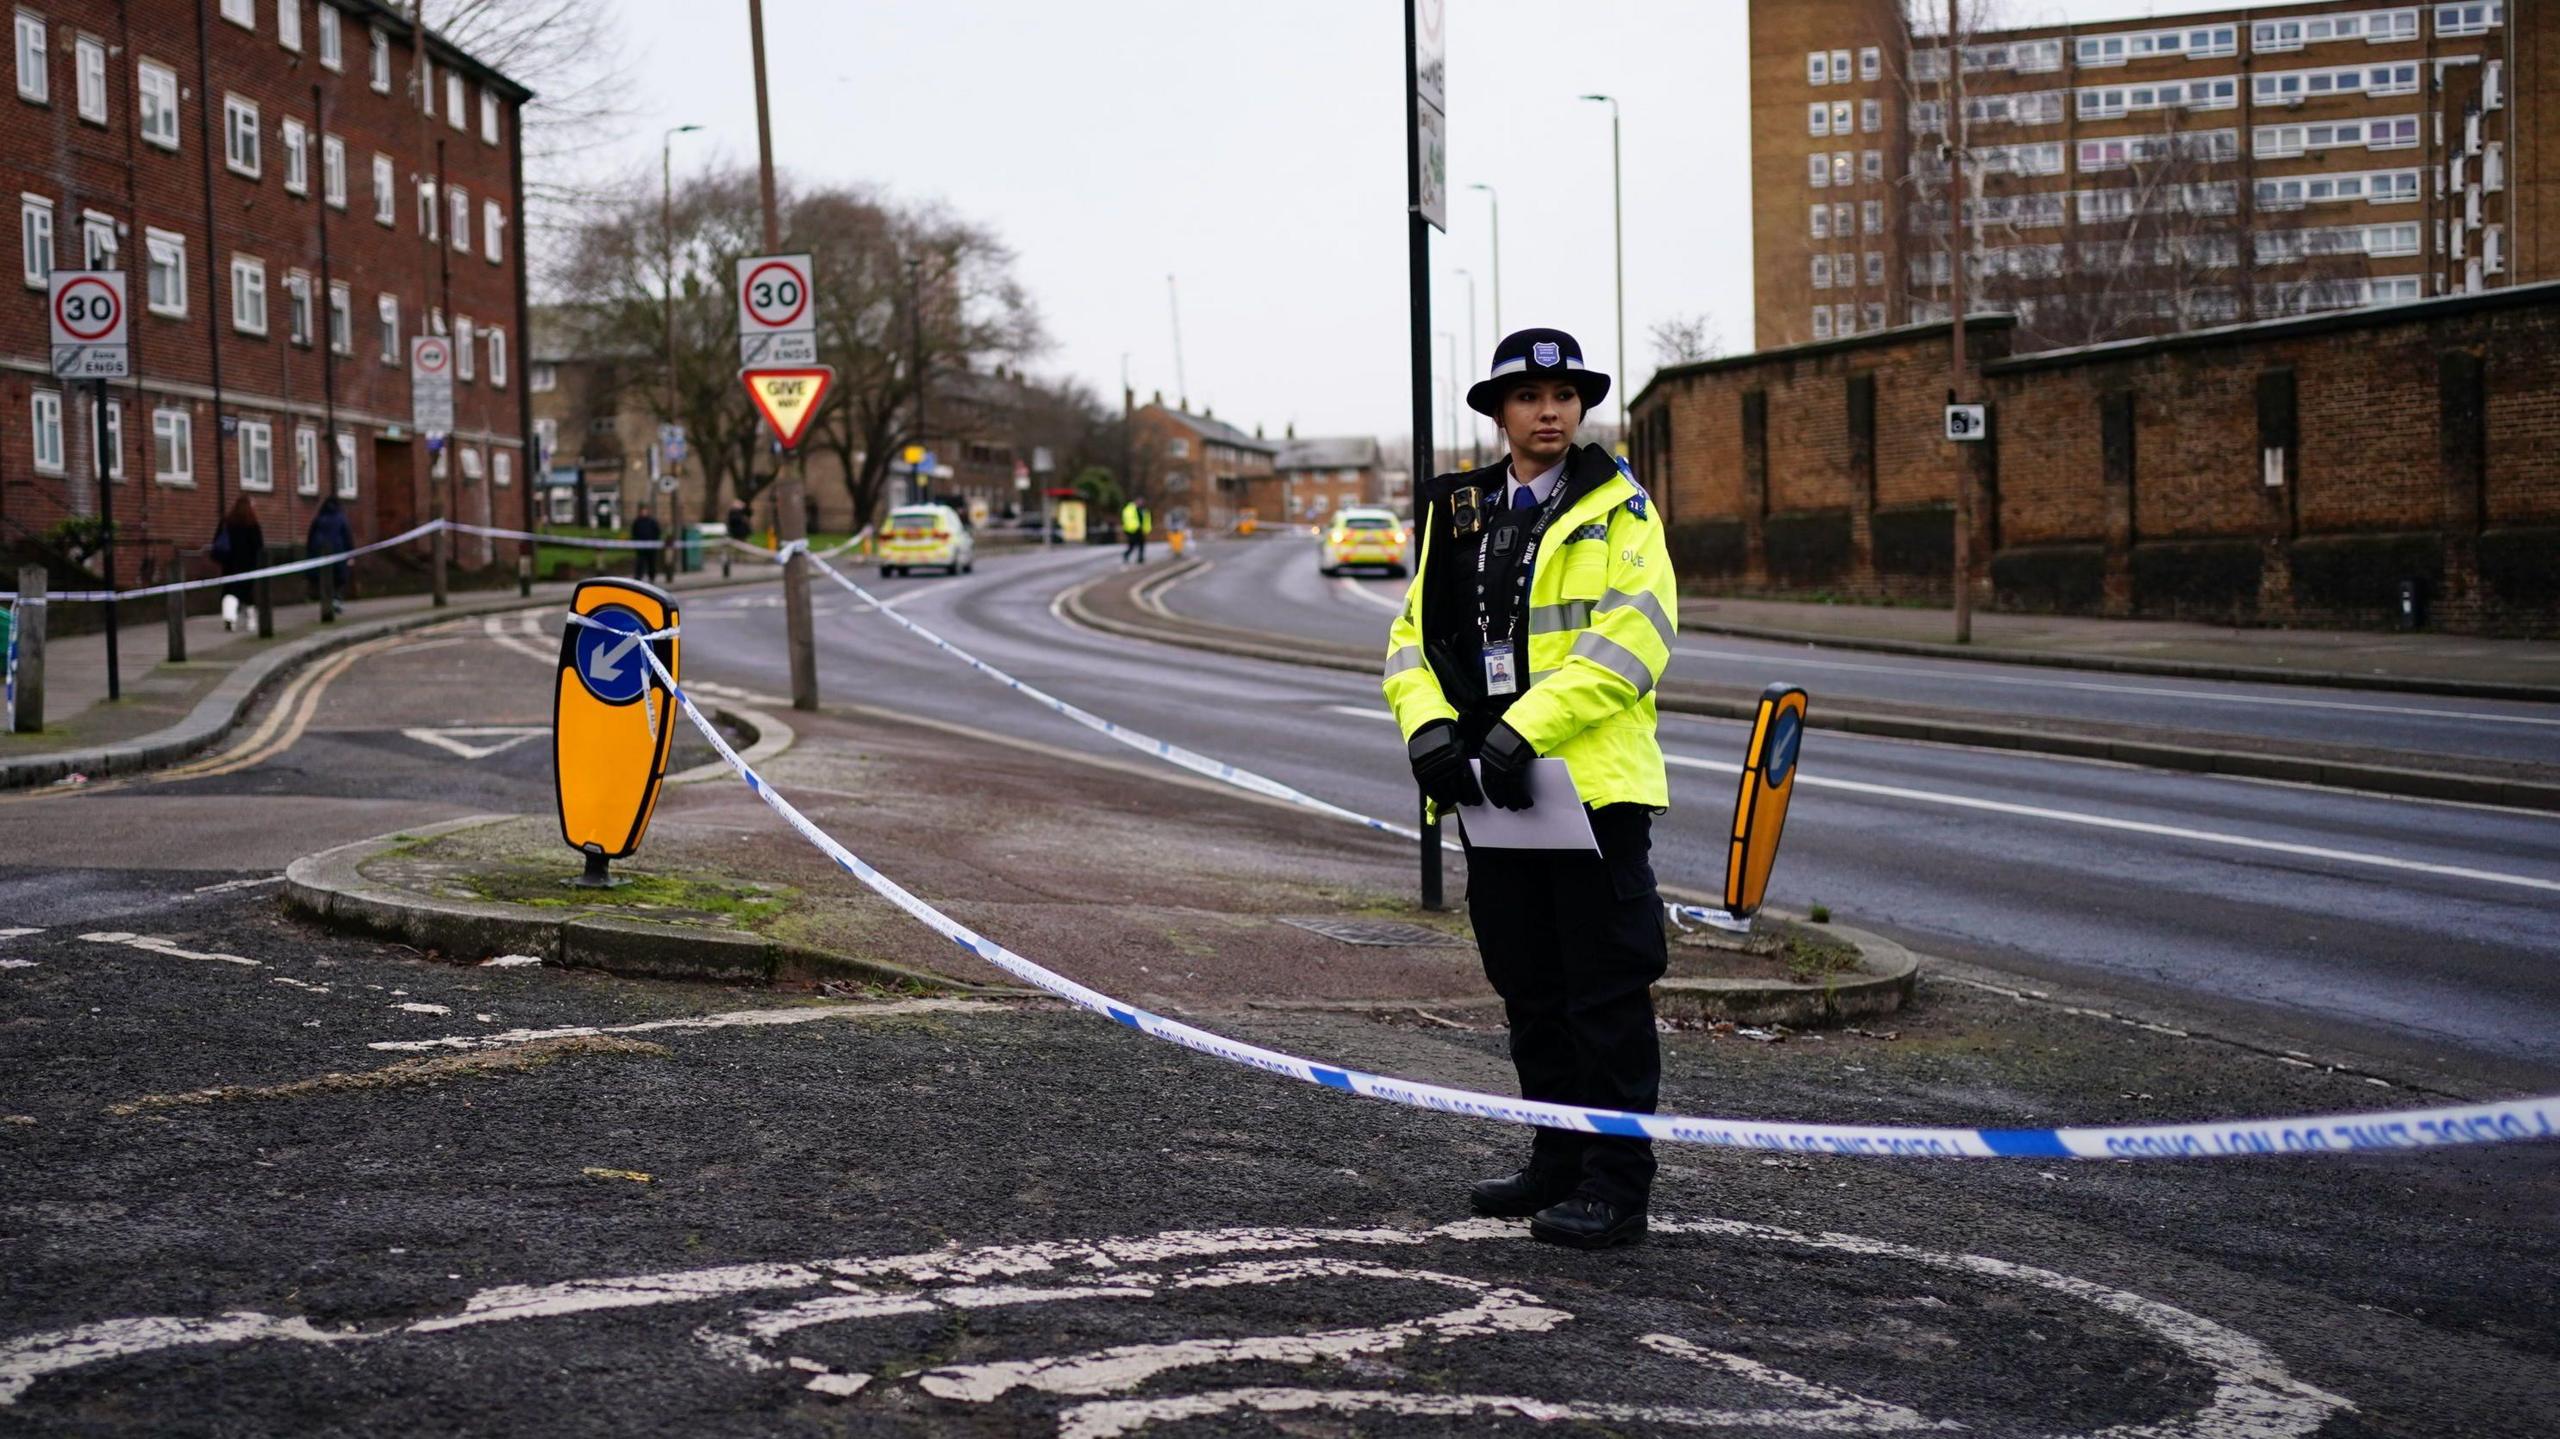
{"points": [[476, 741], [607, 664], [154, 944]]}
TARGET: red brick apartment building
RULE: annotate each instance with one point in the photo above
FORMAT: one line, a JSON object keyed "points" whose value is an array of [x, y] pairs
{"points": [[1198, 471], [294, 188], [2139, 176]]}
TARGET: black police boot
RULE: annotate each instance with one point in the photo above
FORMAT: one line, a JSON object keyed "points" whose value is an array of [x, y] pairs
{"points": [[1517, 1196], [1587, 1222]]}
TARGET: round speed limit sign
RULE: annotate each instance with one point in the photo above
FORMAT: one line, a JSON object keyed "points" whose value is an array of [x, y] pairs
{"points": [[773, 295], [88, 310]]}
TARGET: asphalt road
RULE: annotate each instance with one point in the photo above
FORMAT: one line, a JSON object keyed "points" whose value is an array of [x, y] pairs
{"points": [[1273, 584], [2410, 929], [256, 1179]]}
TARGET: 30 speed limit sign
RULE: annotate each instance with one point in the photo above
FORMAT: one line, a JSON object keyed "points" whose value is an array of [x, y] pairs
{"points": [[777, 311], [89, 324]]}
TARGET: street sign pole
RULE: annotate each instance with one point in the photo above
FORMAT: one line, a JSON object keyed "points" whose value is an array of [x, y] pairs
{"points": [[107, 521], [1418, 222], [791, 518]]}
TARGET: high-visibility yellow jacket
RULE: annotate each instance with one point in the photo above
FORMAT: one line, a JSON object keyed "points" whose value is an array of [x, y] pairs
{"points": [[1134, 518], [1603, 608]]}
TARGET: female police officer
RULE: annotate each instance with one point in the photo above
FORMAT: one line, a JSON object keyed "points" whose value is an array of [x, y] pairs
{"points": [[1538, 623]]}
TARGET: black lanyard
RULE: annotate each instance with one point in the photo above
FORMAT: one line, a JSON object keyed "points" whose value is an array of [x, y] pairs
{"points": [[1547, 513]]}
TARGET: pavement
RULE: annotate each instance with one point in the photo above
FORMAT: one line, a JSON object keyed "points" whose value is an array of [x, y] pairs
{"points": [[2422, 661], [263, 1178]]}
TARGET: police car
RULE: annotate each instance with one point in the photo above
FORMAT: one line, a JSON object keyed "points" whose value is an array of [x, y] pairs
{"points": [[1360, 535], [926, 537]]}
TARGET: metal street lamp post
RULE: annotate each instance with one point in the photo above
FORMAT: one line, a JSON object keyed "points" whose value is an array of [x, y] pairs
{"points": [[1475, 430], [1618, 213], [1497, 253], [667, 268]]}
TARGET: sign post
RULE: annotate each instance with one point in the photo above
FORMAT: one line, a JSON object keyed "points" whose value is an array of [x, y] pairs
{"points": [[1968, 422], [431, 409], [1426, 167], [778, 362], [613, 719], [92, 341]]}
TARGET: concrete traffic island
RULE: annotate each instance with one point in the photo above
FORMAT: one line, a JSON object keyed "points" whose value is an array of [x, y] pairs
{"points": [[1803, 976], [496, 885]]}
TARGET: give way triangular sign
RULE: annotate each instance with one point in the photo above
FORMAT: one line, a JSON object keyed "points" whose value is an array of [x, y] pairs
{"points": [[788, 398]]}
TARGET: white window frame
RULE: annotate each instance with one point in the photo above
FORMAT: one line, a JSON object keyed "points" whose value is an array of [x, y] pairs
{"points": [[346, 465], [458, 207], [1817, 67], [294, 138], [1821, 223], [1871, 166], [249, 295], [430, 210], [1871, 217], [301, 313], [35, 60], [2469, 19], [1870, 116], [386, 316], [240, 137], [115, 439], [465, 366], [155, 98], [493, 233], [333, 171], [164, 249], [89, 78], [243, 13], [1870, 62], [1817, 119], [488, 116], [502, 468], [342, 320], [542, 378], [333, 41], [38, 256], [1843, 117], [1872, 317], [1839, 67], [1844, 320], [1875, 267], [378, 67], [454, 100], [1844, 221], [386, 192], [1843, 169], [289, 24], [1822, 272], [98, 242], [44, 424], [1818, 170], [497, 342], [173, 426], [473, 468], [258, 454], [306, 460], [1822, 322]]}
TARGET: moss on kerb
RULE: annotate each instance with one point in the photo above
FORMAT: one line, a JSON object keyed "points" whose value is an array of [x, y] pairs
{"points": [[1778, 950], [739, 904]]}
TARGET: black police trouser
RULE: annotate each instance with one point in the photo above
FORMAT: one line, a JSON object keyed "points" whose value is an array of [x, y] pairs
{"points": [[1133, 545], [644, 564], [1573, 944]]}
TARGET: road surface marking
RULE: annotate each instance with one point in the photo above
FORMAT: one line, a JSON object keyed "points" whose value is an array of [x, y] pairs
{"points": [[154, 944], [2103, 687], [735, 1019], [18, 933], [1358, 590], [2135, 826], [2252, 1395], [228, 885], [477, 741], [17, 964], [495, 628]]}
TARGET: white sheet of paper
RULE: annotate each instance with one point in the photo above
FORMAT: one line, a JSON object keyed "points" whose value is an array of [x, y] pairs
{"points": [[1555, 818]]}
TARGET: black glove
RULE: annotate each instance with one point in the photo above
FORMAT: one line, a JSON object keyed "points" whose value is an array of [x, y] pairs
{"points": [[1440, 766], [1506, 757]]}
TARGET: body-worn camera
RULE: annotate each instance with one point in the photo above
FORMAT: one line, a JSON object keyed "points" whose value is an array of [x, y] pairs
{"points": [[1466, 510]]}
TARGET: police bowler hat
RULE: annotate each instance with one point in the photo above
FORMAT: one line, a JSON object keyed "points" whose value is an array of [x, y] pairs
{"points": [[1536, 355]]}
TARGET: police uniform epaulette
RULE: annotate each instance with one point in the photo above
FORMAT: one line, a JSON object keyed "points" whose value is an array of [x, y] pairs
{"points": [[1637, 502]]}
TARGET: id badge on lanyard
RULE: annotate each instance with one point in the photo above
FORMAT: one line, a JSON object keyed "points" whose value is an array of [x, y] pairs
{"points": [[1501, 674]]}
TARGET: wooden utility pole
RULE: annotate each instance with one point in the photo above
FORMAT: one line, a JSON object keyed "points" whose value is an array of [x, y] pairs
{"points": [[1957, 385], [791, 514]]}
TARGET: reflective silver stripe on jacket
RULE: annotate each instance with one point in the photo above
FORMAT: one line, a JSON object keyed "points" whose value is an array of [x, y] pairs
{"points": [[1556, 619], [1644, 602], [1617, 658], [1407, 658]]}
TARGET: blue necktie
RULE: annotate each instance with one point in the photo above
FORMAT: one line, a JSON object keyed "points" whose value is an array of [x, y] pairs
{"points": [[1524, 498]]}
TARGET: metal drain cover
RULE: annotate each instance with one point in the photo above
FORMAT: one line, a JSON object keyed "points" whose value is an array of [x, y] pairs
{"points": [[1385, 933]]}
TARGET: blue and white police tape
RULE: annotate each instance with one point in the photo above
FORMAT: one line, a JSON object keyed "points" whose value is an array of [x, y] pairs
{"points": [[1165, 750], [291, 567], [2520, 1119]]}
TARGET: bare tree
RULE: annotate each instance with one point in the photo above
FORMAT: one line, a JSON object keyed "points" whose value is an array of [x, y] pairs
{"points": [[571, 55], [1685, 339]]}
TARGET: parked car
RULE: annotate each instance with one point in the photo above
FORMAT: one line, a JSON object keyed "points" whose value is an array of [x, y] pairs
{"points": [[1360, 535], [926, 537]]}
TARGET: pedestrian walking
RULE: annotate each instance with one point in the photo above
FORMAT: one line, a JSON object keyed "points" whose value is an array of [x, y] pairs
{"points": [[1136, 523], [239, 545], [330, 534], [644, 529], [1538, 623], [740, 525]]}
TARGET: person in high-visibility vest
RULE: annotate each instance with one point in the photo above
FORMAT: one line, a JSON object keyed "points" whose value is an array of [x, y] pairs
{"points": [[1538, 623], [1136, 523]]}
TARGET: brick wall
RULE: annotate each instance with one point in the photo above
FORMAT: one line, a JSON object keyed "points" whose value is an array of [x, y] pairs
{"points": [[102, 163], [2416, 441]]}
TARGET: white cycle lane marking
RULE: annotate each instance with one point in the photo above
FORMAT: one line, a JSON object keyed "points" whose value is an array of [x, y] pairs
{"points": [[2252, 1396]]}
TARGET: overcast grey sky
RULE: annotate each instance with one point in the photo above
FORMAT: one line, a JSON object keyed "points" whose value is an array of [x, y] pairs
{"points": [[1257, 152]]}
